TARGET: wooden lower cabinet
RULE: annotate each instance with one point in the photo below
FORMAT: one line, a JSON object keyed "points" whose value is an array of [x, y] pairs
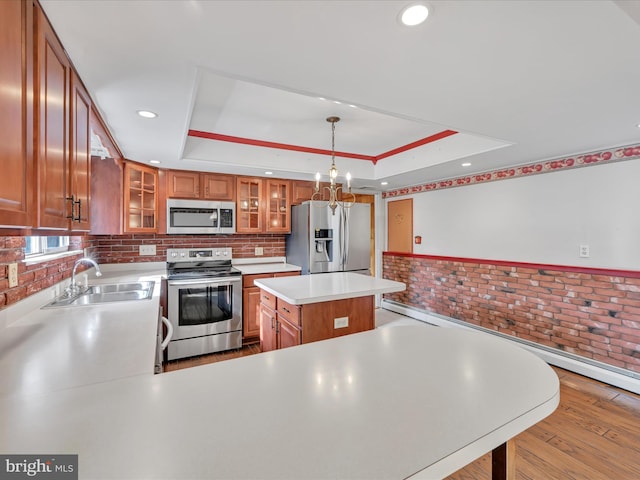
{"points": [[251, 312], [251, 304], [267, 328], [276, 331], [288, 325]]}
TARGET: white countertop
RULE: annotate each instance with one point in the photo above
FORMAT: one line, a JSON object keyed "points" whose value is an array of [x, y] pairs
{"points": [[337, 409], [323, 287], [251, 266], [61, 348]]}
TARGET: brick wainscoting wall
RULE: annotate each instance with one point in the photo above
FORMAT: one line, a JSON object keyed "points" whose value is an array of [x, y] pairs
{"points": [[36, 277], [587, 312]]}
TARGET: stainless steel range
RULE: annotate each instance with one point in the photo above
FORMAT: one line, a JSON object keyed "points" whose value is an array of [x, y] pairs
{"points": [[204, 301]]}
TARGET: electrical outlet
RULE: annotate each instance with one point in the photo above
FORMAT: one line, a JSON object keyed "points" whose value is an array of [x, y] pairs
{"points": [[13, 275], [147, 249], [341, 322], [259, 251], [584, 251]]}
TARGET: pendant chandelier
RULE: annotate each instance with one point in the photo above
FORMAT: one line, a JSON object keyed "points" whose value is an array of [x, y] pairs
{"points": [[337, 195]]}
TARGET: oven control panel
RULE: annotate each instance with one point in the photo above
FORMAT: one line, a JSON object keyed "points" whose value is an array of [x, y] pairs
{"points": [[198, 254]]}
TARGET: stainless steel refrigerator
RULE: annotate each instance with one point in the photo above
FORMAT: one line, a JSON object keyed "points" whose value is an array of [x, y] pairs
{"points": [[321, 242]]}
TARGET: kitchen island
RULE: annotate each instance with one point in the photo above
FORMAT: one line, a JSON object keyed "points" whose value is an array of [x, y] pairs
{"points": [[308, 308]]}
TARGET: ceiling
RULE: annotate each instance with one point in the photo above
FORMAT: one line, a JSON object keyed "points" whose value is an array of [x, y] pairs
{"points": [[498, 83]]}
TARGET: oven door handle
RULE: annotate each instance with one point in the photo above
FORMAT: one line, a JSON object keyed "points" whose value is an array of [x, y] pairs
{"points": [[169, 336], [201, 281]]}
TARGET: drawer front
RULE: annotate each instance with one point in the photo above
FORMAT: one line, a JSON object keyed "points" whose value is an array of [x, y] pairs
{"points": [[286, 274], [290, 312], [268, 299], [247, 280]]}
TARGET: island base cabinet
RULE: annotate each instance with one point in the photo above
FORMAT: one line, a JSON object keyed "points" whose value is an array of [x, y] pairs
{"points": [[324, 320], [288, 325], [287, 335]]}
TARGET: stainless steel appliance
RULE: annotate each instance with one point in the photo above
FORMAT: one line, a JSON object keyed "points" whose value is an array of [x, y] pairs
{"points": [[321, 242], [204, 301], [200, 216]]}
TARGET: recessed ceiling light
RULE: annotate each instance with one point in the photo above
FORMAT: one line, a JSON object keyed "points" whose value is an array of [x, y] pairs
{"points": [[414, 14], [638, 125], [268, 173], [147, 114], [466, 164], [155, 162], [337, 102], [384, 183], [353, 106]]}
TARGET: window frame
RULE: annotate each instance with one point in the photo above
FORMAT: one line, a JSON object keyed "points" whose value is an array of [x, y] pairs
{"points": [[39, 246]]}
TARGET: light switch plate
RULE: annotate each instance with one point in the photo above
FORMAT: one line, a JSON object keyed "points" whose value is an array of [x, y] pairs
{"points": [[147, 249]]}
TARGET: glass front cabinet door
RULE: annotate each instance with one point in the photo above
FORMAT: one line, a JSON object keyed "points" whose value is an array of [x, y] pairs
{"points": [[278, 205], [141, 187], [249, 205]]}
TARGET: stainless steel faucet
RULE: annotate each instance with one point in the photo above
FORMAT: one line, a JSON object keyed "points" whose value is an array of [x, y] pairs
{"points": [[73, 286]]}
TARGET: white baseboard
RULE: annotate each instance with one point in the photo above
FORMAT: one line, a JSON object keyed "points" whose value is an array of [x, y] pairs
{"points": [[618, 377]]}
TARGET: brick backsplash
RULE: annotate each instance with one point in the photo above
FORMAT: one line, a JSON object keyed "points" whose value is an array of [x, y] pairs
{"points": [[115, 249], [125, 248], [592, 314]]}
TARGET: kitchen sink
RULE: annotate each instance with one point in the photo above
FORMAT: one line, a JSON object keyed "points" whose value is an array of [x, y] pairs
{"points": [[110, 288], [106, 293]]}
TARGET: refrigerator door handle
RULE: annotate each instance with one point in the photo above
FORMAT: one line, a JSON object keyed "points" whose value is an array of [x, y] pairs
{"points": [[344, 237]]}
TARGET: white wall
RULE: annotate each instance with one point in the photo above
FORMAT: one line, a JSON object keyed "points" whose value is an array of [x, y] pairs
{"points": [[539, 219]]}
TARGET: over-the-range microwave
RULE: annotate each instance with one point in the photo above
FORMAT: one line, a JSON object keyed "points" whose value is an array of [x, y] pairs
{"points": [[200, 216]]}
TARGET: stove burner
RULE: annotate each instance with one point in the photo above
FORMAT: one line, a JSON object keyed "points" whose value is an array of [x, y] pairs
{"points": [[186, 273], [200, 263]]}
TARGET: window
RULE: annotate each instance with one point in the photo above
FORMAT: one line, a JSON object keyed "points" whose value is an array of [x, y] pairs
{"points": [[44, 245]]}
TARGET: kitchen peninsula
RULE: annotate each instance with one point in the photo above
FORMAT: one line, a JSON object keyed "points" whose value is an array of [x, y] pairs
{"points": [[308, 308]]}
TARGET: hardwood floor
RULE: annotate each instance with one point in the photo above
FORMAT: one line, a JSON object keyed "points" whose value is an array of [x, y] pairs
{"points": [[211, 358], [593, 435]]}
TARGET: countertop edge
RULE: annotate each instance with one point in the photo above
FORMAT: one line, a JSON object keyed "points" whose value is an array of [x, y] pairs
{"points": [[304, 298]]}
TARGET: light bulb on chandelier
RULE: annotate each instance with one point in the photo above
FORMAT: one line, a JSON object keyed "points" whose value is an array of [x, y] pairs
{"points": [[335, 191]]}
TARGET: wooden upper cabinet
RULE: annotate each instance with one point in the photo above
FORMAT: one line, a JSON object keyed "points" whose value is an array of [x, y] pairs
{"points": [[277, 206], [52, 77], [80, 156], [107, 196], [183, 184], [205, 186], [302, 190], [16, 114], [107, 180], [141, 198], [249, 205], [216, 186], [263, 205]]}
